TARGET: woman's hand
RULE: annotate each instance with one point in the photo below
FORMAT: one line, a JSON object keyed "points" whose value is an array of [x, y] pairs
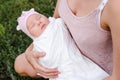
{"points": [[32, 58]]}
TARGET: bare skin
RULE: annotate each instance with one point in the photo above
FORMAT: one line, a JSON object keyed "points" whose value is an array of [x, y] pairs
{"points": [[31, 60], [36, 24], [109, 21]]}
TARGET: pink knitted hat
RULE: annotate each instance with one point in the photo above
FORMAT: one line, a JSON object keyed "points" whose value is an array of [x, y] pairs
{"points": [[22, 21]]}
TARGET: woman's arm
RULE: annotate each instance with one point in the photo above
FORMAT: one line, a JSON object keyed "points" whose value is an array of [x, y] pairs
{"points": [[32, 58], [56, 14], [113, 18]]}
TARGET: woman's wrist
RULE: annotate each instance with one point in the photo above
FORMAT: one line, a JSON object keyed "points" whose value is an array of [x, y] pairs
{"points": [[28, 50]]}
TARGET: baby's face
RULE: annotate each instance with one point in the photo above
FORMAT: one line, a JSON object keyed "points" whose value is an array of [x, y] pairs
{"points": [[36, 24]]}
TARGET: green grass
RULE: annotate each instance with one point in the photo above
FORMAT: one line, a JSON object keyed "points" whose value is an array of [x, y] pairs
{"points": [[13, 42]]}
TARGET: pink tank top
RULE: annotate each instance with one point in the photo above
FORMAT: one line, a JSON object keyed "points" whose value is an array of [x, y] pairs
{"points": [[92, 41]]}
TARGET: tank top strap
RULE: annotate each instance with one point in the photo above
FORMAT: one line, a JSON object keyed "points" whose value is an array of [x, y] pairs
{"points": [[102, 4]]}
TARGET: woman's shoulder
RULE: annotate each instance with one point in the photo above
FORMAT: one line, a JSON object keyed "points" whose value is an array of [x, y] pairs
{"points": [[112, 9], [113, 5], [113, 12]]}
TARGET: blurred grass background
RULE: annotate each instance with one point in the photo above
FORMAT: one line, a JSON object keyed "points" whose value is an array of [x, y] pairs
{"points": [[13, 42]]}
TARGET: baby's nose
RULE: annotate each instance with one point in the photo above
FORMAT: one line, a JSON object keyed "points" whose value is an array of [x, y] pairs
{"points": [[38, 22]]}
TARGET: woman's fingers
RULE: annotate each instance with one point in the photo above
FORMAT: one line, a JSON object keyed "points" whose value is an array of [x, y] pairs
{"points": [[50, 75], [44, 72], [33, 57], [39, 54]]}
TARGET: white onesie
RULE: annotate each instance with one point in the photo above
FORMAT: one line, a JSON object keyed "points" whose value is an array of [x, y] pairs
{"points": [[63, 54]]}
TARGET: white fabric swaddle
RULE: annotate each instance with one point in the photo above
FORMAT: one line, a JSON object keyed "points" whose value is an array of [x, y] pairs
{"points": [[62, 53]]}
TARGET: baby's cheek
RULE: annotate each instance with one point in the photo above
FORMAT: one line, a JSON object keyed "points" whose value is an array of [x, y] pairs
{"points": [[38, 32]]}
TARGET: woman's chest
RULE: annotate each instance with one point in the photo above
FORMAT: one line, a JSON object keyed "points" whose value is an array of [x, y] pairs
{"points": [[82, 7]]}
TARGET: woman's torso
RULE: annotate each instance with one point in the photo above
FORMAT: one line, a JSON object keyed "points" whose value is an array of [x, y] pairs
{"points": [[63, 54], [92, 40]]}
